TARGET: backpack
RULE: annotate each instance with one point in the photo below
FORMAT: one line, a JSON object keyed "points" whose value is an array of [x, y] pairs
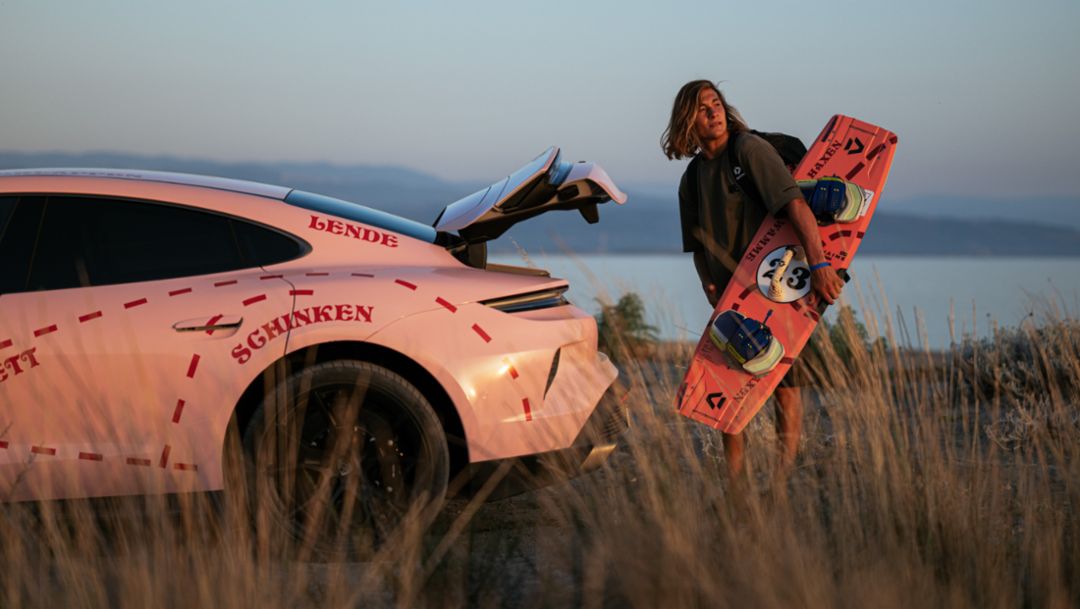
{"points": [[789, 147]]}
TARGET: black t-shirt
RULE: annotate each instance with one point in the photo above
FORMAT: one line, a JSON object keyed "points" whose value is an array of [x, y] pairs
{"points": [[717, 217]]}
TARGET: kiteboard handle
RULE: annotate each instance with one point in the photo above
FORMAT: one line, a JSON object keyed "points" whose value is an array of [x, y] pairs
{"points": [[776, 286]]}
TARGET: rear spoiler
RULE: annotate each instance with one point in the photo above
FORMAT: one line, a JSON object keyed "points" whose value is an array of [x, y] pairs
{"points": [[547, 183]]}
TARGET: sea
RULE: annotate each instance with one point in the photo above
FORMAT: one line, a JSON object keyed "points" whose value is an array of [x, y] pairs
{"points": [[926, 302]]}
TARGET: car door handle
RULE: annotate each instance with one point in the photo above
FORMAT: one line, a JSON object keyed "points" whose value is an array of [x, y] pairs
{"points": [[217, 322]]}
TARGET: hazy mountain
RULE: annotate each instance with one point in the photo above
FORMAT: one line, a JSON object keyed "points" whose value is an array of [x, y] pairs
{"points": [[652, 228], [400, 190], [649, 222], [1052, 211]]}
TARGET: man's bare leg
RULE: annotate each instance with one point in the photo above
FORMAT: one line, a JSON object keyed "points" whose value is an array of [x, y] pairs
{"points": [[734, 446], [789, 411]]}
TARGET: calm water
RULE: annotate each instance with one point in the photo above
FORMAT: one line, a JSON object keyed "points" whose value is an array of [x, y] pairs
{"points": [[921, 298]]}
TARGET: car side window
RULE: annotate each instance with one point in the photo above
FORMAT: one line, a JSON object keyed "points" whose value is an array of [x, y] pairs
{"points": [[19, 223], [88, 241], [7, 207], [263, 246]]}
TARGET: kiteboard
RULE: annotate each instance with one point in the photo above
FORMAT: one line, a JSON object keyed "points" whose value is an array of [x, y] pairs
{"points": [[763, 319]]}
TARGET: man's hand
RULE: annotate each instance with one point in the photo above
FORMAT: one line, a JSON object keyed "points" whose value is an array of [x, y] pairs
{"points": [[827, 285]]}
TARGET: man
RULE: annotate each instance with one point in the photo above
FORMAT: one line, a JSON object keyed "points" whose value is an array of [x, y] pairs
{"points": [[719, 221]]}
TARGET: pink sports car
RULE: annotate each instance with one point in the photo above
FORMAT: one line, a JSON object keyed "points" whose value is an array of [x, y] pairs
{"points": [[143, 313]]}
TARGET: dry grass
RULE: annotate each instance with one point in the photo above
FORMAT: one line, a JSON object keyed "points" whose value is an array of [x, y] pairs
{"points": [[925, 479]]}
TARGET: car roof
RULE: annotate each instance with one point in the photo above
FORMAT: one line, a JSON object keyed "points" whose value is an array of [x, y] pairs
{"points": [[186, 179]]}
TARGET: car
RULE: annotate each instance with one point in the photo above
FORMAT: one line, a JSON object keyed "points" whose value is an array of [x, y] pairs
{"points": [[144, 315]]}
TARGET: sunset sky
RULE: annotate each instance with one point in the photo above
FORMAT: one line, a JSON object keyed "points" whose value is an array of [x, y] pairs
{"points": [[982, 94]]}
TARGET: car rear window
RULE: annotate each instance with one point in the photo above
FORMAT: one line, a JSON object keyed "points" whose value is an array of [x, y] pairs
{"points": [[361, 214], [262, 246]]}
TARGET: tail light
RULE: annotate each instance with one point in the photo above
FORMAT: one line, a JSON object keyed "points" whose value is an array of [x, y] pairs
{"points": [[530, 301]]}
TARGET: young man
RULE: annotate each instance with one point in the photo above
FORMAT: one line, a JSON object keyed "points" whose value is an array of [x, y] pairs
{"points": [[719, 220]]}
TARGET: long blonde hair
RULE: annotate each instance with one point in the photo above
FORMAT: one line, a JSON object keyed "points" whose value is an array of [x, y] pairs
{"points": [[679, 140]]}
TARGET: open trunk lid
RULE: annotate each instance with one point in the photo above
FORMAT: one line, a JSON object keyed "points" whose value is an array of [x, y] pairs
{"points": [[547, 183]]}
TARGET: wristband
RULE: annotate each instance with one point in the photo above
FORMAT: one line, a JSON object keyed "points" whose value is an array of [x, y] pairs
{"points": [[820, 265]]}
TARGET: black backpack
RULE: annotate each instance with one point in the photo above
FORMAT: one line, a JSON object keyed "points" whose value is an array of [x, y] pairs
{"points": [[789, 147]]}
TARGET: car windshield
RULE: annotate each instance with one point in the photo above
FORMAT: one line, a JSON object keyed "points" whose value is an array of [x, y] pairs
{"points": [[361, 214]]}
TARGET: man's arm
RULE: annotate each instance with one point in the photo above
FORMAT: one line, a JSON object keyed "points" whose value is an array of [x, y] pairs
{"points": [[703, 274], [826, 283]]}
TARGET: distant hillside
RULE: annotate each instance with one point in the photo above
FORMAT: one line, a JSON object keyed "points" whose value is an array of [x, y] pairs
{"points": [[648, 223], [654, 229], [1055, 211]]}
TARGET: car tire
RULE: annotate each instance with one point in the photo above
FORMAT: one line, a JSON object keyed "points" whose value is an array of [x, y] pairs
{"points": [[341, 457]]}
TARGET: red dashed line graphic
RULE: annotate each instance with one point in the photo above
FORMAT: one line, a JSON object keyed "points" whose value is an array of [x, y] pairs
{"points": [[854, 171], [744, 294], [828, 129], [210, 322], [735, 306], [876, 151], [193, 366], [178, 411], [860, 234], [787, 360], [834, 236], [484, 335]]}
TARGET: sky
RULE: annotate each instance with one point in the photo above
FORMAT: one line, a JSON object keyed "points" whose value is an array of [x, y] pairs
{"points": [[983, 95]]}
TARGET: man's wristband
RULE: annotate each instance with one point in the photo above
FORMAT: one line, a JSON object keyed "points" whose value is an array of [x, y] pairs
{"points": [[820, 265]]}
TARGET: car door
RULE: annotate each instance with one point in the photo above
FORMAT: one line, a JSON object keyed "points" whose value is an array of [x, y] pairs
{"points": [[123, 322]]}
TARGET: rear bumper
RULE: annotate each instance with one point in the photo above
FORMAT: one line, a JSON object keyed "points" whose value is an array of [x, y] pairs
{"points": [[522, 384], [593, 446]]}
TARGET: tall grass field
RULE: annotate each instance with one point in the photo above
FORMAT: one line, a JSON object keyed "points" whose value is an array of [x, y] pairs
{"points": [[925, 479]]}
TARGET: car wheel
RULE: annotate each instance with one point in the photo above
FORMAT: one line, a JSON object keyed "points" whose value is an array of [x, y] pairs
{"points": [[342, 456]]}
